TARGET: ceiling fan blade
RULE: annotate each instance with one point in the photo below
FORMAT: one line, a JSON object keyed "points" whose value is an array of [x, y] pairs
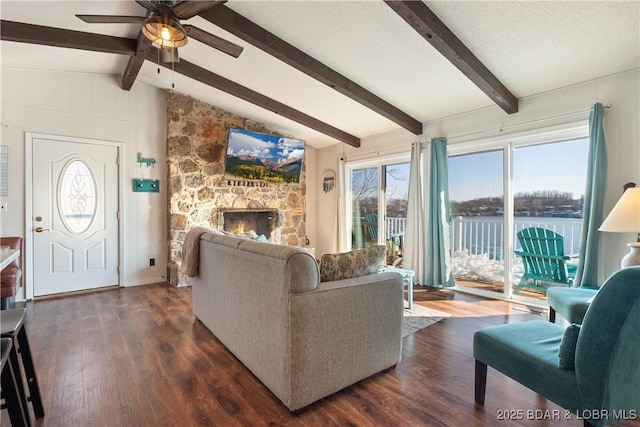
{"points": [[189, 9], [111, 19], [214, 41]]}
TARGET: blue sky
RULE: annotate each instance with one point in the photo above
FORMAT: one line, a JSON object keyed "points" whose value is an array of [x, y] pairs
{"points": [[263, 146], [559, 166], [398, 181]]}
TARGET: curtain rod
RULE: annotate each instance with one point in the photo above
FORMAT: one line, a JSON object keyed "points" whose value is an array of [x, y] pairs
{"points": [[398, 150], [374, 153], [546, 119]]}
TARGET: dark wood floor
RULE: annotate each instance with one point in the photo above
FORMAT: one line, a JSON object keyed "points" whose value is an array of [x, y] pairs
{"points": [[137, 357]]}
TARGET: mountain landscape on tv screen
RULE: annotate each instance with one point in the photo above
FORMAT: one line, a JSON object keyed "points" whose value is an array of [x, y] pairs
{"points": [[249, 167], [263, 157]]}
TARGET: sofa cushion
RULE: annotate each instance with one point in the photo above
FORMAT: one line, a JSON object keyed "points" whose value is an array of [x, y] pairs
{"points": [[350, 264], [567, 349]]}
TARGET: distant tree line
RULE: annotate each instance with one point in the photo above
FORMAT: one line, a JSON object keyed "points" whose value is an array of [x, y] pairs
{"points": [[528, 203], [396, 208], [364, 189], [534, 203]]}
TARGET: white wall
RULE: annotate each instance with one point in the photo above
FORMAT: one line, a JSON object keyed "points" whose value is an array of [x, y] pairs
{"points": [[327, 203], [93, 106], [312, 191], [622, 136]]}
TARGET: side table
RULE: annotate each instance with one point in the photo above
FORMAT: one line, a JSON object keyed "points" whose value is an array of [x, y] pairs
{"points": [[407, 276]]}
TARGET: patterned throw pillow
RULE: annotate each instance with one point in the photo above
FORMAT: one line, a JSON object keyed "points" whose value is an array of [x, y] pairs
{"points": [[355, 263]]}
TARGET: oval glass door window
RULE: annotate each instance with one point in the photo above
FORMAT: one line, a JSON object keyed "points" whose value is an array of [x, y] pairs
{"points": [[77, 196]]}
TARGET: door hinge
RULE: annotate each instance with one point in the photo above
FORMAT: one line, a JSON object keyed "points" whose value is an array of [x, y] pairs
{"points": [[117, 160], [118, 270], [117, 215]]}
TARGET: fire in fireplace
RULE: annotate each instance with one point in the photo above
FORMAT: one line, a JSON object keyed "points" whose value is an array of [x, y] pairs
{"points": [[240, 221]]}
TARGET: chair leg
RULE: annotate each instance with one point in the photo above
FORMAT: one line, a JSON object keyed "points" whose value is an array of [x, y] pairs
{"points": [[7, 303], [15, 367], [523, 281], [481, 382], [552, 315], [30, 373], [13, 392]]}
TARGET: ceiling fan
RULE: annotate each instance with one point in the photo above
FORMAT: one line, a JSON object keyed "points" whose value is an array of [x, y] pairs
{"points": [[162, 26]]}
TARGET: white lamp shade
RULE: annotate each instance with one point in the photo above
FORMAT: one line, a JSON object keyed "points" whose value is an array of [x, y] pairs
{"points": [[625, 215]]}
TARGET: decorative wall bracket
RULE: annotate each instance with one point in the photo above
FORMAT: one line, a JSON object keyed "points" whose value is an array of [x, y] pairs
{"points": [[149, 161], [146, 185]]}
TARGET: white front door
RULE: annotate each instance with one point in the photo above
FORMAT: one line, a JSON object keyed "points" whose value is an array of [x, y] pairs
{"points": [[75, 215]]}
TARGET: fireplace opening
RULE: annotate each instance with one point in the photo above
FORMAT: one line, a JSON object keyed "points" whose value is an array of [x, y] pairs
{"points": [[241, 221]]}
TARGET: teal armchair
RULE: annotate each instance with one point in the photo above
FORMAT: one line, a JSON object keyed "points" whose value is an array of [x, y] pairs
{"points": [[603, 385], [570, 303]]}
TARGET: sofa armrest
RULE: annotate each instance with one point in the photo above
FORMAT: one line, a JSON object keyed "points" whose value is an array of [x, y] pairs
{"points": [[342, 332]]}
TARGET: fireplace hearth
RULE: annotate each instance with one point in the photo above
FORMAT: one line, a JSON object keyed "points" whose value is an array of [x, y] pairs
{"points": [[240, 221]]}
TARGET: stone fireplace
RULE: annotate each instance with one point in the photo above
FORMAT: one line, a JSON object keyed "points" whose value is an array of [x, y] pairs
{"points": [[261, 221], [200, 195]]}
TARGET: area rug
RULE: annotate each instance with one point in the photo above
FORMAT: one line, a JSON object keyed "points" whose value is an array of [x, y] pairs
{"points": [[420, 317]]}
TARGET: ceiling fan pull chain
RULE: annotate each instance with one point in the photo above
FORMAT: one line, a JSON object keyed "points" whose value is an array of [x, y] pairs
{"points": [[173, 86], [159, 60]]}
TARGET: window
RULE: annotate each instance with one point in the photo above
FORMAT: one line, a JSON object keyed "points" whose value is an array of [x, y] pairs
{"points": [[377, 204], [542, 174], [77, 196], [476, 198]]}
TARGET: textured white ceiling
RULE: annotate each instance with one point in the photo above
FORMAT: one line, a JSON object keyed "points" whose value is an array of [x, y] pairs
{"points": [[532, 47]]}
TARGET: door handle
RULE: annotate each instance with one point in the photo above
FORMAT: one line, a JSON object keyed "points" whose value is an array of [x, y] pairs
{"points": [[40, 229]]}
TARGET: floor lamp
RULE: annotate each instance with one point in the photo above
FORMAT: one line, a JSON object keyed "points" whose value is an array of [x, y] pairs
{"points": [[625, 218]]}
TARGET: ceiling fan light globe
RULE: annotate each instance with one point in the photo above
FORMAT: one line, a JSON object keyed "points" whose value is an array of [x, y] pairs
{"points": [[165, 34], [164, 30]]}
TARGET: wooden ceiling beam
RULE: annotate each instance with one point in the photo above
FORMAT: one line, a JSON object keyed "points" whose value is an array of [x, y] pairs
{"points": [[188, 9], [216, 81], [135, 62], [139, 51], [58, 37], [250, 32], [432, 29]]}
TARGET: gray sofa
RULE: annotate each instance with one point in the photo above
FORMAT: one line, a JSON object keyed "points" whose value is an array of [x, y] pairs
{"points": [[304, 339]]}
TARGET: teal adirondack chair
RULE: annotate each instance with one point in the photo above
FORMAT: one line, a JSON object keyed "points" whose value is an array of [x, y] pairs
{"points": [[542, 253], [370, 222]]}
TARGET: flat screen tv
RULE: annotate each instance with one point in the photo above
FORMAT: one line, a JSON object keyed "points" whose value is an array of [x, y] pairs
{"points": [[255, 156]]}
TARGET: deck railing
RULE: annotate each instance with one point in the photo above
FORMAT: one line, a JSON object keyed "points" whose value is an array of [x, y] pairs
{"points": [[483, 235], [396, 226]]}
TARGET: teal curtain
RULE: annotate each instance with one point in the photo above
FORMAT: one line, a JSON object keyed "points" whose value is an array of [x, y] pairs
{"points": [[438, 271], [427, 249], [587, 273]]}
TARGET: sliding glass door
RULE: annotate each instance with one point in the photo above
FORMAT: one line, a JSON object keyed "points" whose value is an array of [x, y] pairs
{"points": [[365, 200], [534, 179], [476, 198], [395, 208], [377, 204]]}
